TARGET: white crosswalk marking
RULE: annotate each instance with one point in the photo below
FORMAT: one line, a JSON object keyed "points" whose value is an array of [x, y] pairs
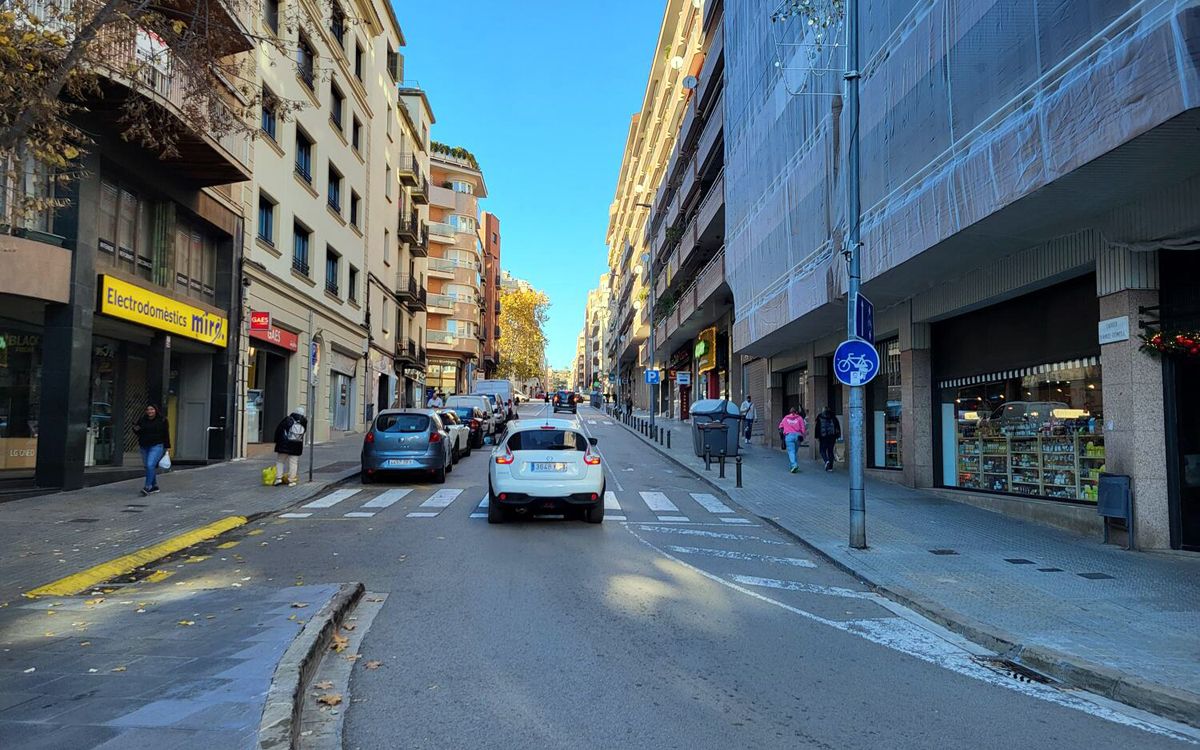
{"points": [[673, 519], [359, 514], [479, 515], [710, 503], [484, 502], [658, 502], [731, 555], [810, 588], [614, 517], [421, 515], [332, 499], [387, 499], [610, 501], [607, 422], [295, 515], [736, 520], [441, 499]]}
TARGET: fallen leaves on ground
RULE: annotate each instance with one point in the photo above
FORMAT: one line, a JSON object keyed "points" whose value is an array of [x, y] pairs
{"points": [[94, 602], [299, 605], [352, 657], [117, 669], [324, 685], [349, 626], [373, 664], [330, 699], [187, 622], [339, 643]]}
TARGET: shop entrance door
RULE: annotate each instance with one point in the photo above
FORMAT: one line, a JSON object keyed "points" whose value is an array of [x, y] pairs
{"points": [[340, 396], [1185, 466], [194, 399]]}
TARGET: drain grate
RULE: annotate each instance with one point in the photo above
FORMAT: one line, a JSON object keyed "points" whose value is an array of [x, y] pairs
{"points": [[1018, 561], [1016, 671], [337, 466], [1050, 570], [944, 551], [1095, 576], [83, 520]]}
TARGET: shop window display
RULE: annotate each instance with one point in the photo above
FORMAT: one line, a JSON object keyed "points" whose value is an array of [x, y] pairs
{"points": [[1038, 433], [886, 407]]}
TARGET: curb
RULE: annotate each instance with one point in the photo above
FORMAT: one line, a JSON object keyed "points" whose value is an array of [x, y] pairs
{"points": [[1162, 700], [280, 724]]}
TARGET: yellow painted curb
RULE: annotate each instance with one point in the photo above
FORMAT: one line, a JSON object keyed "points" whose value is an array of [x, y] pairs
{"points": [[119, 566]]}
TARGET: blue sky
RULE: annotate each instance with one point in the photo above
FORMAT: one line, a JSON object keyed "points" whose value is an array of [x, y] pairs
{"points": [[541, 91]]}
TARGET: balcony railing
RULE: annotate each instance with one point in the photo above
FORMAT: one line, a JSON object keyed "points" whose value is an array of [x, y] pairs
{"points": [[497, 332], [442, 231], [497, 307], [442, 301], [420, 191], [441, 337], [409, 170], [409, 228], [407, 350], [407, 288], [441, 265]]}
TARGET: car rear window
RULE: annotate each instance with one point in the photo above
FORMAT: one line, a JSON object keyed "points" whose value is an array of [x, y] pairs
{"points": [[403, 423], [465, 412], [547, 440]]}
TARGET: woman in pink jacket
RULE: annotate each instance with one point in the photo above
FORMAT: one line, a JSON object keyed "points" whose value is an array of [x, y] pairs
{"points": [[793, 429]]}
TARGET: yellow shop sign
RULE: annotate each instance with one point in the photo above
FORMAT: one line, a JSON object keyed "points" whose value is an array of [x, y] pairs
{"points": [[121, 299]]}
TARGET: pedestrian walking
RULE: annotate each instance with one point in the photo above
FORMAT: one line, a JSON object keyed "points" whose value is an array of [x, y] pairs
{"points": [[793, 428], [154, 440], [289, 445], [749, 414], [829, 429]]}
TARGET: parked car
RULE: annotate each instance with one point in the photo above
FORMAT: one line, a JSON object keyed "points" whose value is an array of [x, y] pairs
{"points": [[497, 408], [406, 440], [460, 434], [476, 420], [546, 466], [565, 401], [484, 404]]}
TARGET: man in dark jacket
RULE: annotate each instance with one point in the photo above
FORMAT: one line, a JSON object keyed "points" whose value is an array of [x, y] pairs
{"points": [[154, 440], [289, 445], [828, 431]]}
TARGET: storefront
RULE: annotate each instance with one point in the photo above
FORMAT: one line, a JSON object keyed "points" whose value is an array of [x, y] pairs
{"points": [[681, 378], [885, 405], [1179, 320], [1021, 397], [342, 406], [443, 376], [20, 395], [711, 354], [269, 363]]}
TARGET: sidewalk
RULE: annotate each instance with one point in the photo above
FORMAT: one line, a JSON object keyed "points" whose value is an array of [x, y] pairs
{"points": [[47, 537], [1119, 623]]}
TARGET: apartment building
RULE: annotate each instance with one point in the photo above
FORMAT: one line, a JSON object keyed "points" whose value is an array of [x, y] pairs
{"points": [[489, 329], [590, 349], [455, 267], [1019, 233], [652, 134], [693, 305], [125, 295]]}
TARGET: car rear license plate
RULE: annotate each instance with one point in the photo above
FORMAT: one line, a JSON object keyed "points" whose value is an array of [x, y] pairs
{"points": [[398, 463], [542, 466]]}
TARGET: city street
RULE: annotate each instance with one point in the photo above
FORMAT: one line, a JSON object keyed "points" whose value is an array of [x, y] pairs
{"points": [[679, 622]]}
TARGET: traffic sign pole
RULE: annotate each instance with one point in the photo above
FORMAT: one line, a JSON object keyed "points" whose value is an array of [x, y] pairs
{"points": [[855, 441]]}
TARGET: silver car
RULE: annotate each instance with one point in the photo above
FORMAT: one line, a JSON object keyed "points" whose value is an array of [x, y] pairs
{"points": [[407, 440]]}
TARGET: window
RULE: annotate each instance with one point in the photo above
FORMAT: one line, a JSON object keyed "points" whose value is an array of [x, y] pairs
{"points": [[335, 189], [304, 146], [402, 423], [358, 61], [300, 240], [195, 262], [269, 118], [462, 223], [356, 134], [387, 247], [390, 117], [271, 14], [337, 25], [332, 261], [387, 182], [547, 440], [354, 203], [386, 315], [306, 62], [461, 186], [266, 219], [337, 103], [352, 284], [22, 179], [125, 231], [393, 64]]}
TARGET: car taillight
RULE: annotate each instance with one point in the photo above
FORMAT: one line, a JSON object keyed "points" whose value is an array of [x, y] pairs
{"points": [[436, 437], [370, 438], [505, 458], [591, 459]]}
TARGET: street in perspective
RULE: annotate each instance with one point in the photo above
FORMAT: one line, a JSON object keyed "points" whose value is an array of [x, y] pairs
{"points": [[651, 374]]}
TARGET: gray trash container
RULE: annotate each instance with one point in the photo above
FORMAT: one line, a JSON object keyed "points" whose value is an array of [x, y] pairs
{"points": [[722, 415]]}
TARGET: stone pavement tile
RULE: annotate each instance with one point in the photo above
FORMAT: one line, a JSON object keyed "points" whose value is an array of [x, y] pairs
{"points": [[180, 739], [115, 685], [213, 689], [159, 713], [239, 716], [9, 699], [43, 708], [42, 737], [97, 710]]}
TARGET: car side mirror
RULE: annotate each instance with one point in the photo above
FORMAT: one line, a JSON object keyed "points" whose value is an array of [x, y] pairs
{"points": [[593, 441]]}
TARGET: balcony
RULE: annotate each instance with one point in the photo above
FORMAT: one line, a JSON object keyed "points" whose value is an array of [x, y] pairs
{"points": [[407, 288], [441, 303], [410, 170], [441, 268], [497, 333], [420, 248], [711, 137], [441, 337], [407, 352], [420, 191], [440, 231], [497, 307], [409, 228]]}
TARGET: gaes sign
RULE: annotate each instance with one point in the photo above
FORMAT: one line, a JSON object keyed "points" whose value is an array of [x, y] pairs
{"points": [[260, 320]]}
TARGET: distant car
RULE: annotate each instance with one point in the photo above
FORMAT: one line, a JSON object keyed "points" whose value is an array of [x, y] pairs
{"points": [[546, 466], [475, 420], [565, 401], [498, 409], [484, 404], [459, 434], [407, 440]]}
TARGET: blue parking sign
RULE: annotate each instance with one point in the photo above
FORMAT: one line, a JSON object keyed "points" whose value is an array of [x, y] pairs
{"points": [[855, 362], [864, 319], [652, 377]]}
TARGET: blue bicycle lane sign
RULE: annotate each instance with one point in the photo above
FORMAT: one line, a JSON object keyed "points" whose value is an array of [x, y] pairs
{"points": [[855, 362]]}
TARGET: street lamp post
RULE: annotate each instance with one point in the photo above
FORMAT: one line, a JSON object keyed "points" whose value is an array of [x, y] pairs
{"points": [[855, 447]]}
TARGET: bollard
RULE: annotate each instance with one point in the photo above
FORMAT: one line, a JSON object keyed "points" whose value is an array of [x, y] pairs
{"points": [[722, 474], [738, 470], [668, 440], [707, 459], [660, 435]]}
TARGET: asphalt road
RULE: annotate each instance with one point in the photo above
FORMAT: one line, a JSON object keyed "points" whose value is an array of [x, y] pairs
{"points": [[685, 624]]}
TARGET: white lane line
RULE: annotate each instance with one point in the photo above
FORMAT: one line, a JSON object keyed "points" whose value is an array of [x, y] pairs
{"points": [[674, 519], [708, 534], [441, 499], [610, 501], [295, 515], [736, 520], [421, 515], [479, 515], [808, 588], [591, 421], [387, 499], [359, 514], [797, 562], [332, 499], [484, 502], [908, 637], [657, 502], [607, 422], [711, 503], [614, 518]]}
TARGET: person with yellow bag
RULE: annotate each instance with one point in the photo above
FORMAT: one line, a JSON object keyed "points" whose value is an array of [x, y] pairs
{"points": [[289, 446]]}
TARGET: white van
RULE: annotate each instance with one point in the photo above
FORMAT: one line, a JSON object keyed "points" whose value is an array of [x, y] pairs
{"points": [[502, 388]]}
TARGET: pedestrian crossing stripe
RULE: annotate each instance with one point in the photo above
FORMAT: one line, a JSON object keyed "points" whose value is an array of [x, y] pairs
{"points": [[736, 520], [441, 499], [657, 501], [610, 501], [359, 514], [333, 498], [710, 503], [419, 514], [388, 498]]}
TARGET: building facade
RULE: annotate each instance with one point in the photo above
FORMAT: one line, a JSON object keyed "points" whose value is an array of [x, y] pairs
{"points": [[648, 146], [1019, 232], [125, 296], [455, 268], [489, 329]]}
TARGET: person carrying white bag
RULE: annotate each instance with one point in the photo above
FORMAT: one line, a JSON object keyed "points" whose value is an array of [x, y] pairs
{"points": [[154, 441]]}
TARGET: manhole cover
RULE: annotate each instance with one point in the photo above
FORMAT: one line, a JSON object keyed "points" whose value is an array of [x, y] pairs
{"points": [[337, 466], [1018, 561], [1095, 576], [943, 552]]}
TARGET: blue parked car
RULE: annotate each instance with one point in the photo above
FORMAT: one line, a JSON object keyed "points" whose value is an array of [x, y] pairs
{"points": [[407, 440]]}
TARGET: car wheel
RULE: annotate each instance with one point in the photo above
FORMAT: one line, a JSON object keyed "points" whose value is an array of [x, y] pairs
{"points": [[469, 448], [366, 478], [495, 512], [439, 476], [593, 515], [455, 454]]}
